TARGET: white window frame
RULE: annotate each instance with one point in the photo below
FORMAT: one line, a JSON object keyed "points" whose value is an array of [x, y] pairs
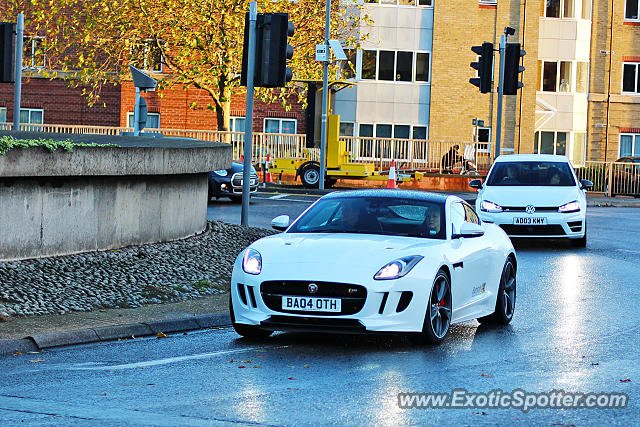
{"points": [[635, 79], [32, 110], [625, 12], [130, 118], [573, 82], [280, 119], [562, 2], [635, 140], [396, 3], [353, 133], [30, 42], [567, 145], [414, 66], [3, 110], [145, 54], [232, 123]]}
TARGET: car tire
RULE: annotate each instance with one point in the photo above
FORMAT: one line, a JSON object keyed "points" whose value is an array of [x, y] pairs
{"points": [[310, 176], [437, 319], [506, 299], [581, 242], [247, 331]]}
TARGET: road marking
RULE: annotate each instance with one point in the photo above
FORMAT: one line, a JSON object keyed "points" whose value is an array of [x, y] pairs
{"points": [[169, 360], [278, 196], [629, 251]]}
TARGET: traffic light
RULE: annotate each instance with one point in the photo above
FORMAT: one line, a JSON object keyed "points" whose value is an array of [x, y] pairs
{"points": [[512, 68], [484, 67], [7, 52], [272, 50]]}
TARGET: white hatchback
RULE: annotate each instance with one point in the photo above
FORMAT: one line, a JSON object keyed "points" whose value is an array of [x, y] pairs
{"points": [[534, 195]]}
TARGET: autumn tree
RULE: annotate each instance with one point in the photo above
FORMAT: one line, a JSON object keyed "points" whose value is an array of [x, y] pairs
{"points": [[91, 42]]}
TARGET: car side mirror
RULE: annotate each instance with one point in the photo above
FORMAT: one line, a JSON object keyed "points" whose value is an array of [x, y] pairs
{"points": [[280, 223], [475, 183], [469, 229], [585, 184]]}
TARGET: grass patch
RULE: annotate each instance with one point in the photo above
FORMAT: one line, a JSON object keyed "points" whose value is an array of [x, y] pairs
{"points": [[180, 288], [151, 291], [9, 142], [202, 285]]}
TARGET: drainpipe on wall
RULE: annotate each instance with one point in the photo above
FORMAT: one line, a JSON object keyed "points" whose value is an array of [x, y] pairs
{"points": [[606, 129]]}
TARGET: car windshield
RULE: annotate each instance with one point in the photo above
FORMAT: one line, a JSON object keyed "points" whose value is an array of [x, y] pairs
{"points": [[374, 215], [534, 173]]}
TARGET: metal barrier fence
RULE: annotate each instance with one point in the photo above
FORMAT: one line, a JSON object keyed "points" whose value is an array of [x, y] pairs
{"points": [[624, 177], [417, 154]]}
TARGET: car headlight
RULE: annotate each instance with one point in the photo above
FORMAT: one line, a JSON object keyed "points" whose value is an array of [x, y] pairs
{"points": [[570, 207], [488, 206], [252, 262], [398, 268], [221, 172]]}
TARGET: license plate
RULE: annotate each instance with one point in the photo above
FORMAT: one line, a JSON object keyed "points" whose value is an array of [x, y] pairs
{"points": [[529, 220], [311, 304]]}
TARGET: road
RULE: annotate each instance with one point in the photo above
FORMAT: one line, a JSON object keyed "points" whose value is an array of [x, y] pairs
{"points": [[575, 328]]}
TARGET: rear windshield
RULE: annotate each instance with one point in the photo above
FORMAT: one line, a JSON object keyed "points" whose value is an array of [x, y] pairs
{"points": [[376, 215], [549, 174]]}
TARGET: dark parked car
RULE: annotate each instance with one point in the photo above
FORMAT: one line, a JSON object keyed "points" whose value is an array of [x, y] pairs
{"points": [[228, 182], [626, 176]]}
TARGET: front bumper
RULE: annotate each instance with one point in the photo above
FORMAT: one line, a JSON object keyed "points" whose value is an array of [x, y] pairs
{"points": [[388, 306], [558, 225]]}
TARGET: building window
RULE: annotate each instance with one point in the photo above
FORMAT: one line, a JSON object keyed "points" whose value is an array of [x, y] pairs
{"points": [[147, 55], [347, 128], [631, 10], [401, 2], [629, 145], [631, 78], [369, 58], [559, 9], [288, 126], [420, 132], [348, 67], [153, 120], [236, 124], [365, 130], [550, 143], [557, 76], [389, 65], [3, 114], [34, 116], [34, 56], [586, 9]]}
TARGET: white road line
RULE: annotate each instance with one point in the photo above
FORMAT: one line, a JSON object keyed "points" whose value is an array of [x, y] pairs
{"points": [[169, 360], [278, 196], [629, 251]]}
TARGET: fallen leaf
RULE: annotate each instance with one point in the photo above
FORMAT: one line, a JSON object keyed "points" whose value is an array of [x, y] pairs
{"points": [[36, 360], [17, 353], [291, 378], [293, 388], [102, 394], [486, 375], [628, 380], [241, 366], [162, 335], [184, 333], [257, 366], [594, 363], [33, 352]]}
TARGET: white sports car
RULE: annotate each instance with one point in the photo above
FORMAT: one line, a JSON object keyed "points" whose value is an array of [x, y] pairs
{"points": [[534, 195], [376, 261]]}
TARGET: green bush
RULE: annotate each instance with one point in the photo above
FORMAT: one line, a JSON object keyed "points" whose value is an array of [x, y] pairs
{"points": [[9, 142]]}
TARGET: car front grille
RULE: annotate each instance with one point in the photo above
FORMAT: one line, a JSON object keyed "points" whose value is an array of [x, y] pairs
{"points": [[524, 209], [352, 297], [533, 230], [298, 323], [236, 180]]}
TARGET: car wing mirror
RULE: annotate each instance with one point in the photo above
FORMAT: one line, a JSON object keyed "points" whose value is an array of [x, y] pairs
{"points": [[475, 183], [585, 184], [468, 229], [280, 223]]}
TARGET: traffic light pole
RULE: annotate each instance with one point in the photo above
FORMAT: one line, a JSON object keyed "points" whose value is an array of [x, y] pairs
{"points": [[248, 124], [503, 44], [325, 92], [17, 94]]}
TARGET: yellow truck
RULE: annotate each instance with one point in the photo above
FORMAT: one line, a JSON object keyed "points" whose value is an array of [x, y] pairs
{"points": [[338, 163]]}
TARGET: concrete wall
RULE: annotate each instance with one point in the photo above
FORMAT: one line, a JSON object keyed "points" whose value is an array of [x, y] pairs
{"points": [[97, 198]]}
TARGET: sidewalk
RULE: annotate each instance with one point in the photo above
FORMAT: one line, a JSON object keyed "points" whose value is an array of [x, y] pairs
{"points": [[34, 333]]}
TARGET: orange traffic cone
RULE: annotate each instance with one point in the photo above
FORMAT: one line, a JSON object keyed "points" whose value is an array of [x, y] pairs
{"points": [[267, 174], [391, 183]]}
